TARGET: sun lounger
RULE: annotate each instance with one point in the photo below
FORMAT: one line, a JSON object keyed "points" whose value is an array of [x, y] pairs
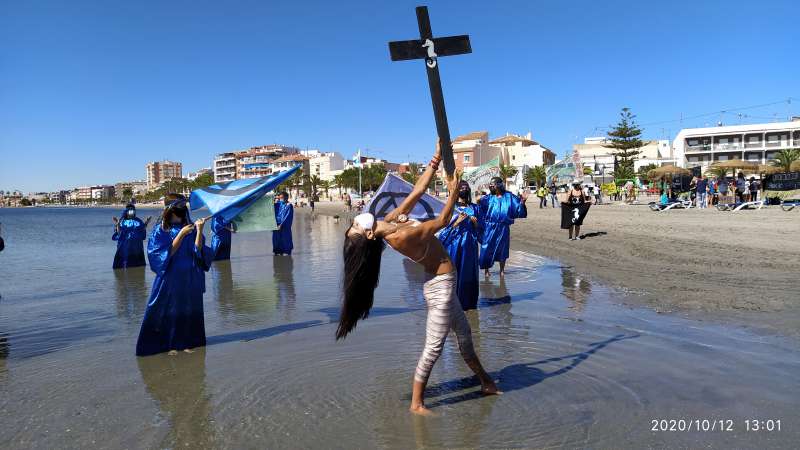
{"points": [[740, 206], [685, 204], [788, 205]]}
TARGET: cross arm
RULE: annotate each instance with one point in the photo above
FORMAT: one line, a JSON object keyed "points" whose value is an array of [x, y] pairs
{"points": [[444, 46]]}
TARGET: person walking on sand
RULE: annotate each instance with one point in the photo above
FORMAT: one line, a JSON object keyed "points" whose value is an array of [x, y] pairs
{"points": [[553, 194], [702, 192], [364, 242], [542, 194]]}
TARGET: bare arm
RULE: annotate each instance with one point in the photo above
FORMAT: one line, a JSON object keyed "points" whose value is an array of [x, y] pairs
{"points": [[198, 239], [444, 217], [419, 188], [176, 243]]}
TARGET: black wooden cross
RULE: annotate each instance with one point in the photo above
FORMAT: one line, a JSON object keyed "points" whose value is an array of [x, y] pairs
{"points": [[429, 48]]}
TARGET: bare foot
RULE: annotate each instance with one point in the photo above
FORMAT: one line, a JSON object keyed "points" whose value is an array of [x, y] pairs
{"points": [[172, 352], [490, 389], [188, 350], [421, 410], [486, 274], [502, 273]]}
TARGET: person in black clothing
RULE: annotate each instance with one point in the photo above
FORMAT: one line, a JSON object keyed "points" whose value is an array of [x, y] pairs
{"points": [[575, 198], [753, 189], [740, 181], [553, 191]]}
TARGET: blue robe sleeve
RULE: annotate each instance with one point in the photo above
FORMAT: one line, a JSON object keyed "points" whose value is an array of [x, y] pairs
{"points": [[287, 215], [518, 210], [203, 255], [115, 236], [158, 249], [141, 230]]}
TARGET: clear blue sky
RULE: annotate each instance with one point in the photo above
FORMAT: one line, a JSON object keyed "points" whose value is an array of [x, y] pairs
{"points": [[92, 90]]}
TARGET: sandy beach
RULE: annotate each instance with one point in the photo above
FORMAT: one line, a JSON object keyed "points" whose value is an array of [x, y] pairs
{"points": [[706, 264]]}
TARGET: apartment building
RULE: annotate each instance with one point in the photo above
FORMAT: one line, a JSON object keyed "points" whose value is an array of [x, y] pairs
{"points": [[160, 171]]}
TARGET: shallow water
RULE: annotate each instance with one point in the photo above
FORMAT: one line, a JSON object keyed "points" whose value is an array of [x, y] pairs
{"points": [[578, 370]]}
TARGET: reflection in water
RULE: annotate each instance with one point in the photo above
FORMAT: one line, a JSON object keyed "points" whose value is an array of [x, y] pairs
{"points": [[416, 278], [495, 304], [283, 267], [222, 276], [3, 355], [575, 288], [178, 385], [131, 293]]}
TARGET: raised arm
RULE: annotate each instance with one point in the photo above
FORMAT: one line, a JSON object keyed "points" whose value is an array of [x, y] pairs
{"points": [[443, 219], [419, 188]]}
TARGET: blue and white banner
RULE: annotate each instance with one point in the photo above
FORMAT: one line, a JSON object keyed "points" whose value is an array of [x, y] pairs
{"points": [[392, 193], [234, 197]]}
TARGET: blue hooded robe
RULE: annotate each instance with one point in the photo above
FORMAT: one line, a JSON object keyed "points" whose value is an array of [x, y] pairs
{"points": [[462, 243], [497, 214], [220, 239], [130, 243], [174, 319], [282, 239]]}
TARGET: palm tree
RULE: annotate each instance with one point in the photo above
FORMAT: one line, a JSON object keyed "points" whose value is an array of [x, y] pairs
{"points": [[785, 158], [507, 172], [315, 182], [325, 185], [537, 175]]}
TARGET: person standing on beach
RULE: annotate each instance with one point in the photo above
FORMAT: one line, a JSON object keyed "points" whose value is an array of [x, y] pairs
{"points": [[572, 216], [130, 233], [740, 187], [553, 194], [364, 242], [221, 233], [753, 189], [173, 320], [461, 240], [497, 212], [542, 194], [284, 215], [702, 192]]}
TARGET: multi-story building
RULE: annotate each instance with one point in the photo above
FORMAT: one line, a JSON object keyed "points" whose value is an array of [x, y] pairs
{"points": [[83, 193], [136, 187], [326, 165], [694, 147], [160, 171], [473, 149], [102, 192], [520, 151], [225, 167], [596, 154]]}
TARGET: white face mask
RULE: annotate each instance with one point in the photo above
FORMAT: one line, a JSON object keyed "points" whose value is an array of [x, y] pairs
{"points": [[365, 220]]}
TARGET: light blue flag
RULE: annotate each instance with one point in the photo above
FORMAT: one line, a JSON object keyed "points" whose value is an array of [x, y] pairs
{"points": [[234, 197], [393, 191]]}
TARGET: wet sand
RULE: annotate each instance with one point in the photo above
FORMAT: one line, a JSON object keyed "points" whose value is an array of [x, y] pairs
{"points": [[709, 264]]}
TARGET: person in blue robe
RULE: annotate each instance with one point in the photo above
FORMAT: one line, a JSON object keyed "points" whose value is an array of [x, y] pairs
{"points": [[130, 233], [221, 238], [282, 237], [173, 319], [497, 212], [461, 240]]}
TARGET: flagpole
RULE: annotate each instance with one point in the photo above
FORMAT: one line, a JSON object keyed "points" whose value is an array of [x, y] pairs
{"points": [[360, 191]]}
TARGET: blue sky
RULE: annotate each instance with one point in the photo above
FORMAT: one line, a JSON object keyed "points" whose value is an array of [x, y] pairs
{"points": [[92, 90]]}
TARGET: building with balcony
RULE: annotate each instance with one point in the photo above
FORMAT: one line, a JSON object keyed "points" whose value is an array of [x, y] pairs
{"points": [[224, 167], [136, 187], [759, 143], [160, 171]]}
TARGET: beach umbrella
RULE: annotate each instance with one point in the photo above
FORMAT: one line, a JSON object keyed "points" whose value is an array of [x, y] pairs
{"points": [[795, 167], [765, 169], [663, 171], [733, 164]]}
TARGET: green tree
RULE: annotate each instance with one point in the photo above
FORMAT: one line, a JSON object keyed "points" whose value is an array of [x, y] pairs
{"points": [[644, 169], [127, 193], [204, 180], [537, 175], [413, 173], [325, 185], [626, 141], [785, 158], [507, 171], [588, 171], [25, 202]]}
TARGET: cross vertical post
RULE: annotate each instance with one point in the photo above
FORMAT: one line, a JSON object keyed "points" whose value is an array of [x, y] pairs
{"points": [[430, 49]]}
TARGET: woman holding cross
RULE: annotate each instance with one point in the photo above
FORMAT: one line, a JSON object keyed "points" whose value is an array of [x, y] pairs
{"points": [[363, 245]]}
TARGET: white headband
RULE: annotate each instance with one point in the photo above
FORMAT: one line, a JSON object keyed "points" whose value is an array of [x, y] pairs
{"points": [[365, 220]]}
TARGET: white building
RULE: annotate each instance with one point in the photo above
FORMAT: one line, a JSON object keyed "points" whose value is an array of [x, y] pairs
{"points": [[326, 165], [595, 153], [193, 175], [520, 151], [224, 167], [757, 142], [473, 149]]}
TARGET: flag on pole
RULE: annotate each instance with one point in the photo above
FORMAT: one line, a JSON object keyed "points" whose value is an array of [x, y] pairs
{"points": [[234, 197], [357, 159], [392, 193], [259, 217]]}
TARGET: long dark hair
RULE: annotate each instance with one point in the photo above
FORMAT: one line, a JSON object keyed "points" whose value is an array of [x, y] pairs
{"points": [[362, 268]]}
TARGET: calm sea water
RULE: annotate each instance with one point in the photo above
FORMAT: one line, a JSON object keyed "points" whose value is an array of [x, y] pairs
{"points": [[578, 369]]}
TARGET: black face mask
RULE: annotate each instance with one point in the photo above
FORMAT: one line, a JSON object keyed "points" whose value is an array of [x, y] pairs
{"points": [[464, 195]]}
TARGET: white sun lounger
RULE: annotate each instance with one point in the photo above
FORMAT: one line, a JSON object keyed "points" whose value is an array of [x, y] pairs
{"points": [[684, 204], [790, 205], [740, 206]]}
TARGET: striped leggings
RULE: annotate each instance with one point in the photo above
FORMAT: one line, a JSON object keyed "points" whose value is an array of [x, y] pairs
{"points": [[444, 313]]}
